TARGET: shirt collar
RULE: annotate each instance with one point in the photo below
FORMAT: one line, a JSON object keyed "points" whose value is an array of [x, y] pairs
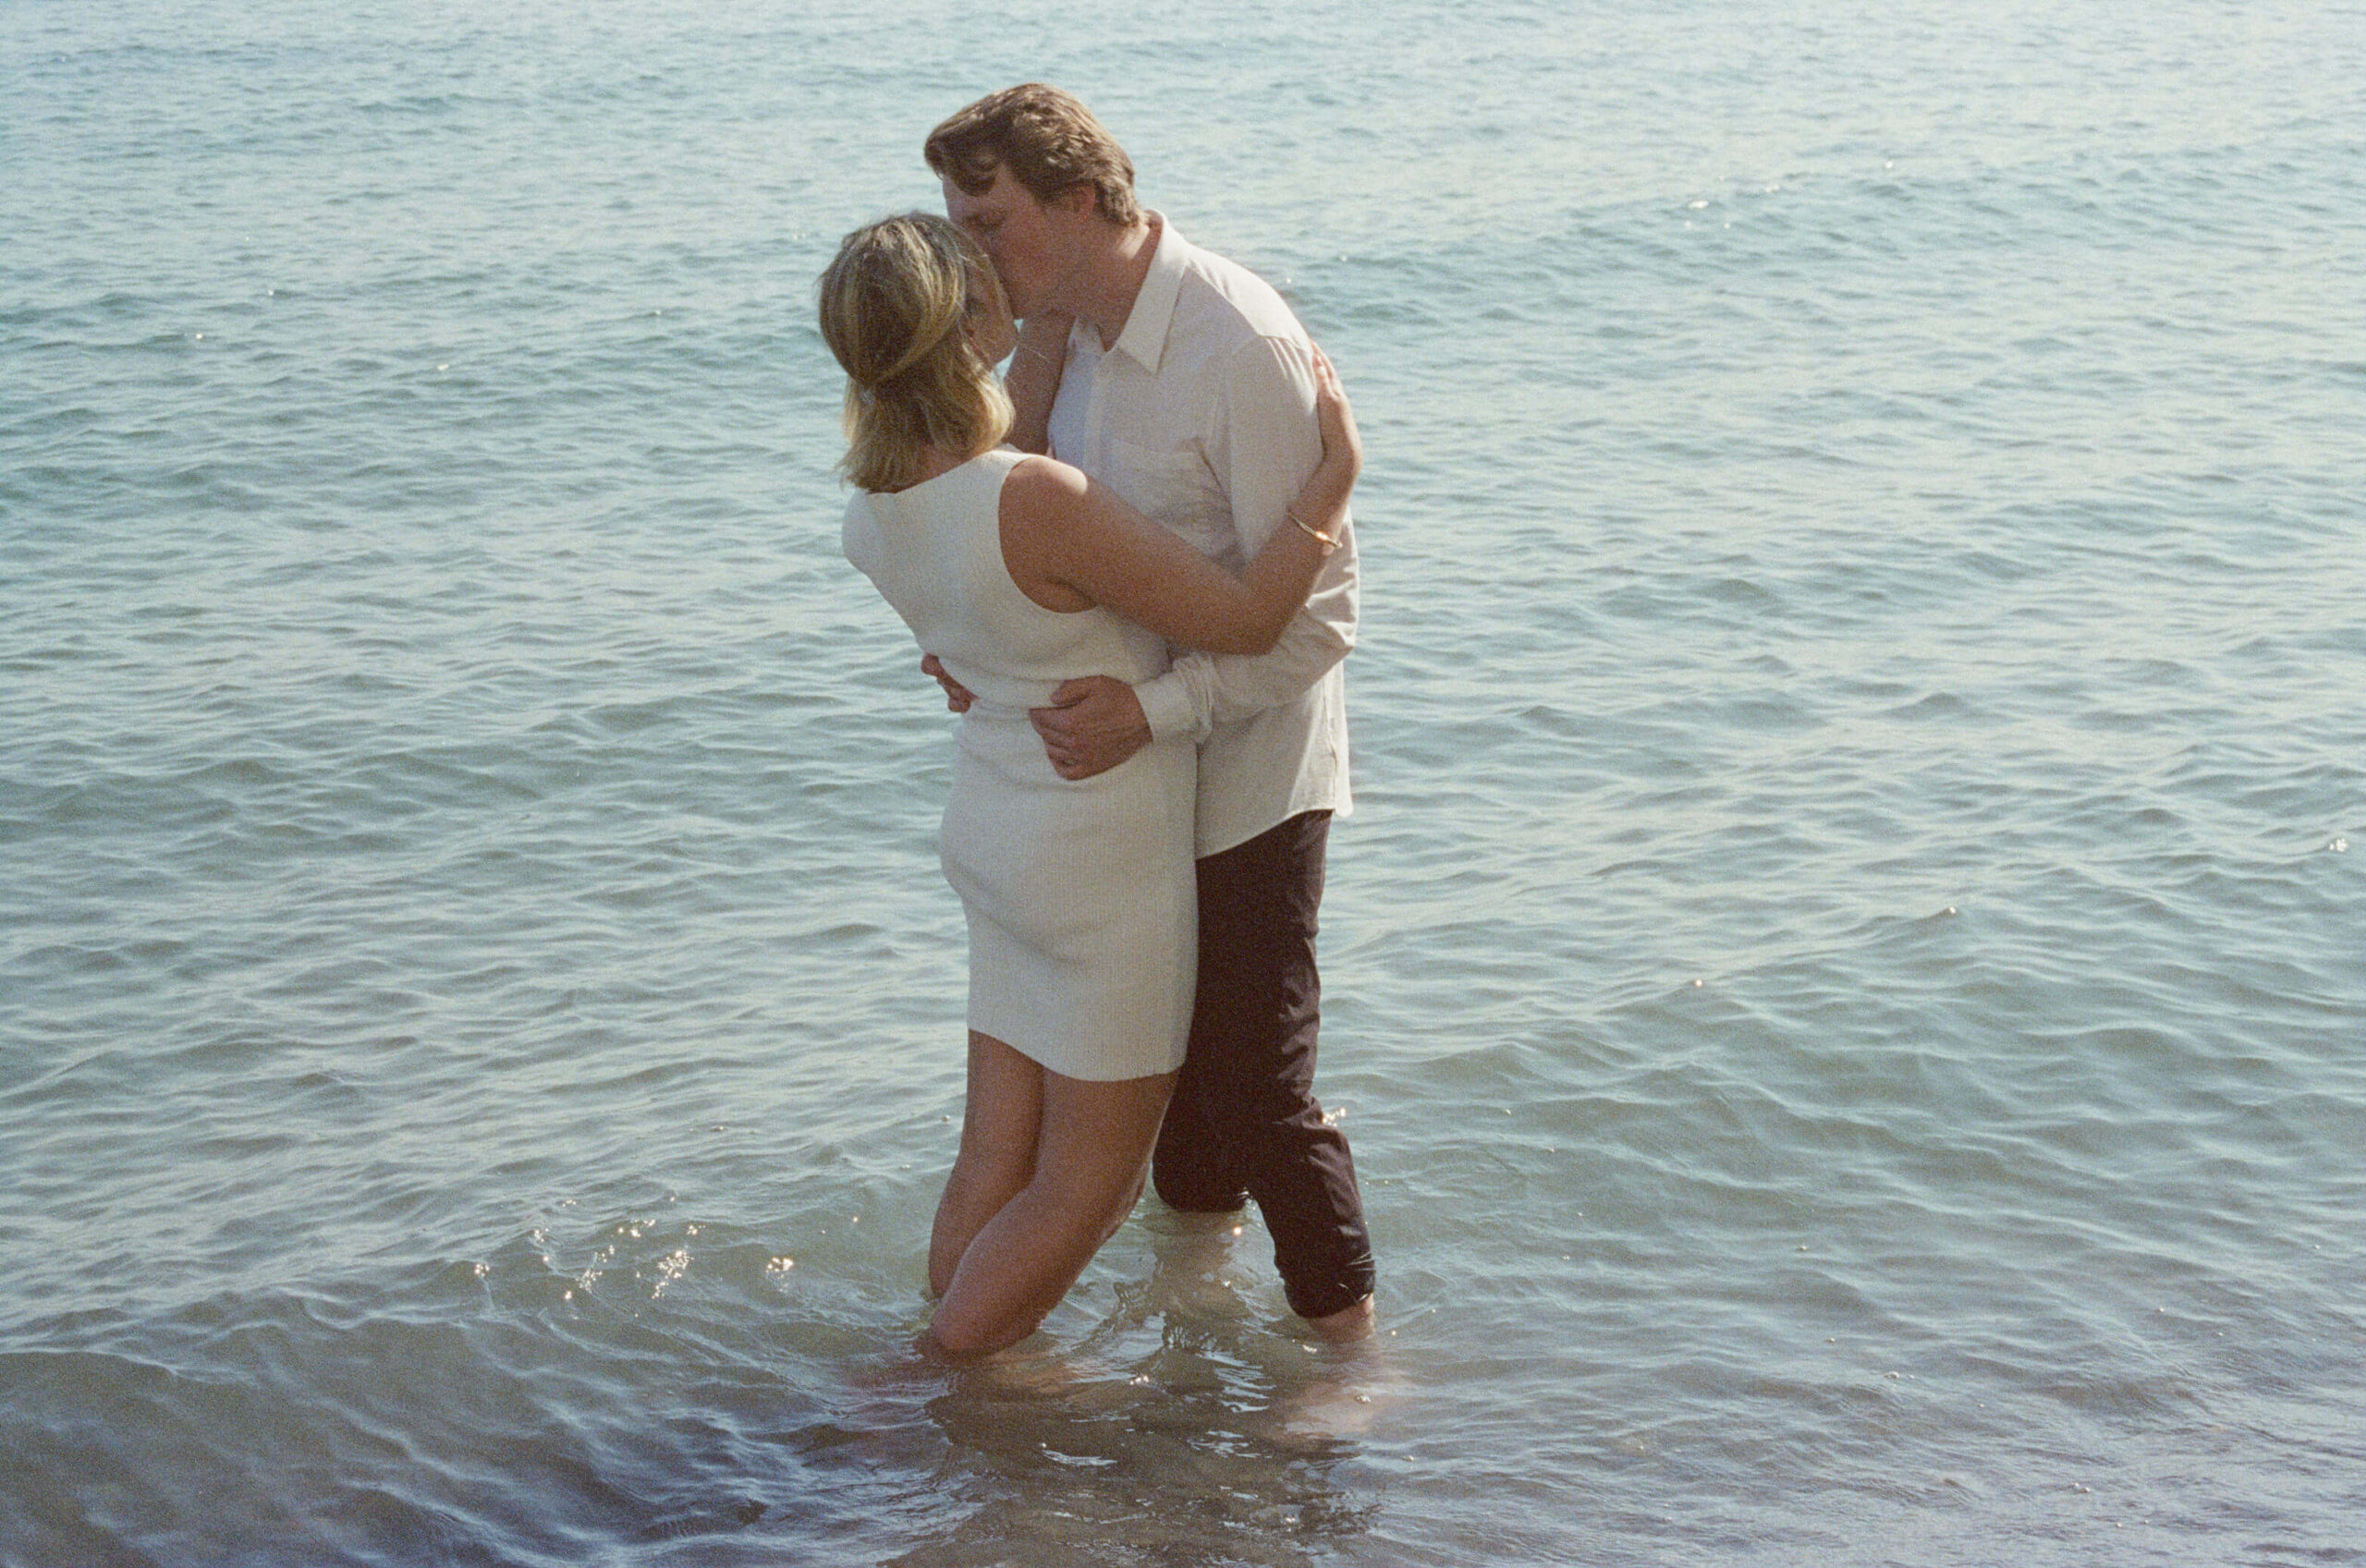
{"points": [[1144, 337]]}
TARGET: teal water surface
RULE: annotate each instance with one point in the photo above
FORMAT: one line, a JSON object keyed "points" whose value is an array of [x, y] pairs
{"points": [[1846, 979]]}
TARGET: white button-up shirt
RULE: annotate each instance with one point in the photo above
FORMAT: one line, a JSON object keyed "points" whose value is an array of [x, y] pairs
{"points": [[1202, 416]]}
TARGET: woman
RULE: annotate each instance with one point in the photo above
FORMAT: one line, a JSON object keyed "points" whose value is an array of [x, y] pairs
{"points": [[1017, 573]]}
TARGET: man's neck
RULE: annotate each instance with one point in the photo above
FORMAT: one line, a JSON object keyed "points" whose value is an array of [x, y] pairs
{"points": [[1112, 278]]}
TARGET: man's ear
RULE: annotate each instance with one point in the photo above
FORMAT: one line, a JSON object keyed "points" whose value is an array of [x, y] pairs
{"points": [[1079, 201]]}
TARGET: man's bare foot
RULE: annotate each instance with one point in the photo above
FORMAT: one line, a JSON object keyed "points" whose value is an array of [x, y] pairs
{"points": [[1347, 1325]]}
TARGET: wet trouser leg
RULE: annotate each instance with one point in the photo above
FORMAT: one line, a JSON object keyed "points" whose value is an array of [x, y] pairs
{"points": [[1244, 1122]]}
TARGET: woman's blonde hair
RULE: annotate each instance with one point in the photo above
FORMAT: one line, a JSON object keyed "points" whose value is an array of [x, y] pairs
{"points": [[893, 307]]}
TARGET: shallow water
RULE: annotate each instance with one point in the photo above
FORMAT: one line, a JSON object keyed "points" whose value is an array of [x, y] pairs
{"points": [[1845, 979]]}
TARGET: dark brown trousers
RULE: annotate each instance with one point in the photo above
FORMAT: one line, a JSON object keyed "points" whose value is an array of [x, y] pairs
{"points": [[1244, 1122]]}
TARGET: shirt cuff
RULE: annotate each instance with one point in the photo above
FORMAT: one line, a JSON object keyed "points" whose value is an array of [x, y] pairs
{"points": [[1166, 706]]}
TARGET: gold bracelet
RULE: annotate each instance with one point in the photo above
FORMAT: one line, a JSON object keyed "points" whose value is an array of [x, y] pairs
{"points": [[1324, 540]]}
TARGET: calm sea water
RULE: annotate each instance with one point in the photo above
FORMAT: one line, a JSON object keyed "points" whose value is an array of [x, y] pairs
{"points": [[1848, 981]]}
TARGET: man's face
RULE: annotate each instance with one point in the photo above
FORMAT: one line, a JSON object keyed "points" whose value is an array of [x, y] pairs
{"points": [[1036, 247]]}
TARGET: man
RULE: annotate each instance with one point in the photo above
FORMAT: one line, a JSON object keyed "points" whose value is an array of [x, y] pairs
{"points": [[1188, 390]]}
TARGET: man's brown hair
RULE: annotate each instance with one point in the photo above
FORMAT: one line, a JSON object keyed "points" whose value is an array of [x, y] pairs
{"points": [[1048, 140]]}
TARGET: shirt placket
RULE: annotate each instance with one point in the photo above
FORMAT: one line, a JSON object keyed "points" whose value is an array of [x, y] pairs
{"points": [[1096, 415]]}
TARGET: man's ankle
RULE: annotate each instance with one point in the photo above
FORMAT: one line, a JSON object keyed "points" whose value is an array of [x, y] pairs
{"points": [[1347, 1325]]}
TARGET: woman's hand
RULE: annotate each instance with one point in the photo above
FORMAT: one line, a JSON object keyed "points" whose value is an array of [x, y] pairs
{"points": [[1342, 445], [1322, 504], [1046, 333]]}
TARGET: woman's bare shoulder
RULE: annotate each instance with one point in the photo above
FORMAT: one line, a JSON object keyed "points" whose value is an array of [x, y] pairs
{"points": [[1041, 486], [1042, 500]]}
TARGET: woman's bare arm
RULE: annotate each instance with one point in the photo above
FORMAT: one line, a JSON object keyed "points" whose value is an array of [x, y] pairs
{"points": [[1034, 381], [1070, 543]]}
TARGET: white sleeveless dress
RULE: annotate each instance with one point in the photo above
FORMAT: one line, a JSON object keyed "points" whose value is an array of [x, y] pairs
{"points": [[1080, 896]]}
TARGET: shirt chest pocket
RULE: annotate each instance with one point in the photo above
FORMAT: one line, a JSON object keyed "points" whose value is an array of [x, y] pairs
{"points": [[1174, 487]]}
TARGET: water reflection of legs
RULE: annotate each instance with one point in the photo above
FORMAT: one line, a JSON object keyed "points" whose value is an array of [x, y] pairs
{"points": [[1333, 1397], [1193, 1274], [1313, 1394], [1172, 1456]]}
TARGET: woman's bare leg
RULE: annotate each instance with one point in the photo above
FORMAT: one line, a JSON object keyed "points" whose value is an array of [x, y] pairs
{"points": [[1092, 1143], [999, 1122]]}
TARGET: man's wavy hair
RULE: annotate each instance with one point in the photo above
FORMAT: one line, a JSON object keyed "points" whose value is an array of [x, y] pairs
{"points": [[1048, 140]]}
